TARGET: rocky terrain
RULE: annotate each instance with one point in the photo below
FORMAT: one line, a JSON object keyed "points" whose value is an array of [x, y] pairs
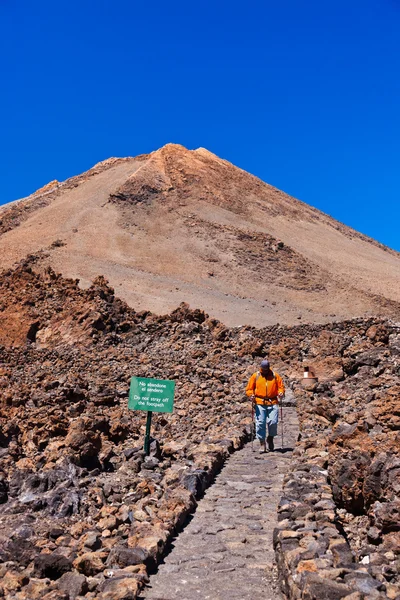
{"points": [[84, 514], [339, 532], [184, 225]]}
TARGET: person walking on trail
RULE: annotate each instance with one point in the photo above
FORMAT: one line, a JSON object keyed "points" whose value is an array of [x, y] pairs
{"points": [[265, 388]]}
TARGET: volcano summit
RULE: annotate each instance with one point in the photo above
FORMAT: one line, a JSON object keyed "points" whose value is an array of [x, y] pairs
{"points": [[184, 225]]}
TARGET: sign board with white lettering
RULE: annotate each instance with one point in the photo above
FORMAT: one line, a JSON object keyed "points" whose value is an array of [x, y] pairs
{"points": [[155, 395]]}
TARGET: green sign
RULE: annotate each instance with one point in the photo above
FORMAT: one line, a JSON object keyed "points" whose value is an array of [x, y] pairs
{"points": [[151, 394]]}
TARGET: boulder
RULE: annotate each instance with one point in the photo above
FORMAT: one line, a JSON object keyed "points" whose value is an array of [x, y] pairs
{"points": [[73, 584], [91, 563], [51, 565], [123, 557], [119, 588]]}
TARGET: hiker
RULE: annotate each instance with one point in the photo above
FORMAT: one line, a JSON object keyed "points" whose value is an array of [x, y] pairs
{"points": [[265, 388]]}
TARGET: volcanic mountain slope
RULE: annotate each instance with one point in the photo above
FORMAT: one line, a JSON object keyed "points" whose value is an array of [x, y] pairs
{"points": [[179, 225]]}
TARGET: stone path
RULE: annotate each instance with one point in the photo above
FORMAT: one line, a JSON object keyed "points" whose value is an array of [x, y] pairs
{"points": [[225, 552]]}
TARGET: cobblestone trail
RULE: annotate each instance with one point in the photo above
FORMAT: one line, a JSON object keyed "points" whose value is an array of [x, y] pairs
{"points": [[225, 552]]}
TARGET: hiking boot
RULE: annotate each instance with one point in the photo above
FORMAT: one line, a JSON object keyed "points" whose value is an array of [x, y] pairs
{"points": [[270, 441]]}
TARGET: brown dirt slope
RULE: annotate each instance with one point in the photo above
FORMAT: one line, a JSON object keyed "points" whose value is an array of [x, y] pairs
{"points": [[180, 225]]}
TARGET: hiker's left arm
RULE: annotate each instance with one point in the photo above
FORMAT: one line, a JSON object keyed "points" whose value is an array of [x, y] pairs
{"points": [[281, 386]]}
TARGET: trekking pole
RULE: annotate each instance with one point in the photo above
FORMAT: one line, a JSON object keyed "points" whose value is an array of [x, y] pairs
{"points": [[282, 419], [252, 425]]}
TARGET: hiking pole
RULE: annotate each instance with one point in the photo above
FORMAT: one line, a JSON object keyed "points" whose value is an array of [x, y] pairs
{"points": [[282, 418], [252, 425]]}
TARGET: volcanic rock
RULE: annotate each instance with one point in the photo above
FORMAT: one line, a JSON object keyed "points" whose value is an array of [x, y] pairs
{"points": [[73, 584], [51, 565], [80, 499]]}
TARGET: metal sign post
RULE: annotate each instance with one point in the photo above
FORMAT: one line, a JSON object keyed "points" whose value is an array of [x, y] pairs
{"points": [[152, 395], [147, 434]]}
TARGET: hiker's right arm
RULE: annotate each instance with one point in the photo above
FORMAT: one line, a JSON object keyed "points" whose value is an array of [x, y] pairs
{"points": [[251, 386]]}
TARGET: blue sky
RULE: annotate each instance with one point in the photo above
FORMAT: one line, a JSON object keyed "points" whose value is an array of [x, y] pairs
{"points": [[306, 95]]}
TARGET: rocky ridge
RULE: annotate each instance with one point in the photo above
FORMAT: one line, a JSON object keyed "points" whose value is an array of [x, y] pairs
{"points": [[85, 514], [15, 213]]}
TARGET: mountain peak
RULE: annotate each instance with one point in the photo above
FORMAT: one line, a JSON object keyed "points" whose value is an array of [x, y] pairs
{"points": [[172, 148], [185, 225]]}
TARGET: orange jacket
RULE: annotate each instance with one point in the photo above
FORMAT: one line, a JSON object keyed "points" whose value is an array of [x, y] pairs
{"points": [[264, 389]]}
